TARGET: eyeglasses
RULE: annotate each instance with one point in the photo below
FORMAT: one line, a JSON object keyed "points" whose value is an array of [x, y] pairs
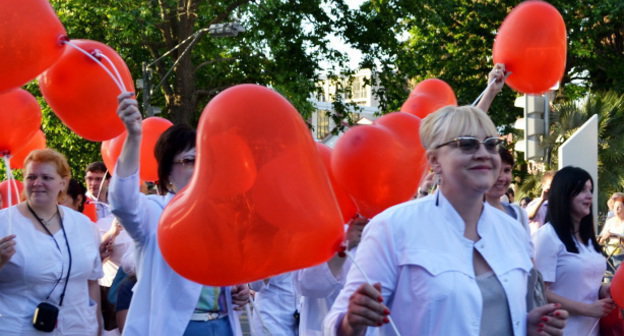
{"points": [[186, 162], [470, 144]]}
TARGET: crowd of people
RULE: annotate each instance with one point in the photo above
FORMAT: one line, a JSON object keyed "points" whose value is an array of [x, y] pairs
{"points": [[461, 258]]}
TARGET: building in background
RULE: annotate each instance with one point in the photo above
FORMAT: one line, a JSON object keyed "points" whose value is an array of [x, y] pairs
{"points": [[355, 90]]}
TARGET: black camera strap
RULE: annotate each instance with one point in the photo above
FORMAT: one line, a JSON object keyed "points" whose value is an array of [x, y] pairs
{"points": [[59, 248]]}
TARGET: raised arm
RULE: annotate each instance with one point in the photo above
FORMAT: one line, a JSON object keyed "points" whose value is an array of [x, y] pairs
{"points": [[498, 76], [126, 201], [128, 111]]}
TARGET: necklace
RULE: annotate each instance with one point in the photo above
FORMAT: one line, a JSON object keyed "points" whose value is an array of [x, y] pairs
{"points": [[43, 221], [47, 221]]}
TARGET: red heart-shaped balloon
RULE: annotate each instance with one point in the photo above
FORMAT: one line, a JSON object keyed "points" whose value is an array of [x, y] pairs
{"points": [[259, 202], [429, 96], [532, 44], [347, 206], [30, 40], [82, 94], [38, 141], [20, 118], [376, 168], [153, 127], [11, 186]]}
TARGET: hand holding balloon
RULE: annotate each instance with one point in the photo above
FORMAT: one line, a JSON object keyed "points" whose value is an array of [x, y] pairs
{"points": [[497, 78], [128, 112]]}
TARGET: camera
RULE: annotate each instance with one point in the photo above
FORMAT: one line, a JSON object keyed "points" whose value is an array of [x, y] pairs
{"points": [[45, 317]]}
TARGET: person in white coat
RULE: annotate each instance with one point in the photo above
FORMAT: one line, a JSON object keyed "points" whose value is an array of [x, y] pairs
{"points": [[319, 285], [49, 257], [567, 254], [448, 263], [164, 302], [275, 308]]}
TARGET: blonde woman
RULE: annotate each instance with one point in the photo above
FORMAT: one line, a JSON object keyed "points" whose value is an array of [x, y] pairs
{"points": [[448, 263]]}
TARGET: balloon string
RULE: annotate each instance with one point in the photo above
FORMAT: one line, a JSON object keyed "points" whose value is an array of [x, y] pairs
{"points": [[257, 311], [97, 197], [121, 88], [487, 88], [112, 65], [594, 327], [7, 164], [394, 327], [474, 103]]}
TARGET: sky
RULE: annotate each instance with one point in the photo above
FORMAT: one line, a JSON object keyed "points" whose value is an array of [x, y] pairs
{"points": [[355, 56]]}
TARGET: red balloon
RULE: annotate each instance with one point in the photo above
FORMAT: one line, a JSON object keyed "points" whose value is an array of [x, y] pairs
{"points": [[20, 118], [30, 40], [110, 151], [38, 141], [282, 216], [232, 168], [375, 168], [82, 94], [531, 43], [347, 206], [617, 287], [429, 96], [612, 324], [153, 127], [406, 127], [90, 210], [5, 189]]}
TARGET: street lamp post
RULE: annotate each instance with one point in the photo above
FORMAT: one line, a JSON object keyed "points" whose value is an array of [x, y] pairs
{"points": [[227, 29]]}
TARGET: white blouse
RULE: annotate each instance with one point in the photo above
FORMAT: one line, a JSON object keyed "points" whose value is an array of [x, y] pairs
{"points": [[418, 252], [318, 288], [274, 306], [30, 275], [576, 276]]}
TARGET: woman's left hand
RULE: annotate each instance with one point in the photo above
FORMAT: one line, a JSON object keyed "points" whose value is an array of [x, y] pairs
{"points": [[546, 320], [240, 296]]}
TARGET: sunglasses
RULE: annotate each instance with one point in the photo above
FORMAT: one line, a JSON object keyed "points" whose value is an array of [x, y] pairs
{"points": [[185, 162], [470, 144]]}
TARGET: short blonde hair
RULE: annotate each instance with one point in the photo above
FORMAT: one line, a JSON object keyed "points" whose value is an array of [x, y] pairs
{"points": [[450, 122], [48, 155]]}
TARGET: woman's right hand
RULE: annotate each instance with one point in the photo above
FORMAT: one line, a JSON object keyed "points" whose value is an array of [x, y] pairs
{"points": [[600, 308], [365, 309], [128, 112], [7, 249]]}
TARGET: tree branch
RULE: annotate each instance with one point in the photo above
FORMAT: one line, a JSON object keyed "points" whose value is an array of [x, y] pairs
{"points": [[220, 59], [228, 10]]}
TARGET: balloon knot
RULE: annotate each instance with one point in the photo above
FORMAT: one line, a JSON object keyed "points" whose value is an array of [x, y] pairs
{"points": [[63, 39], [342, 251], [97, 54]]}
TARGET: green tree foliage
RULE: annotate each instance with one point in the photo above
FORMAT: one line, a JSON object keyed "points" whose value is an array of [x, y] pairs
{"points": [[283, 47], [567, 118], [452, 40]]}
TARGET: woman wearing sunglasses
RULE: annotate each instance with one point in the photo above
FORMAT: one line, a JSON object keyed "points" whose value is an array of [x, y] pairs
{"points": [[567, 254], [448, 263], [165, 303]]}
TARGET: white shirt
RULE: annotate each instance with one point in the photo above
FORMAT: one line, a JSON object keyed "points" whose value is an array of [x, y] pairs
{"points": [[30, 275], [121, 244], [274, 306], [576, 276], [419, 254], [163, 300], [318, 288]]}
